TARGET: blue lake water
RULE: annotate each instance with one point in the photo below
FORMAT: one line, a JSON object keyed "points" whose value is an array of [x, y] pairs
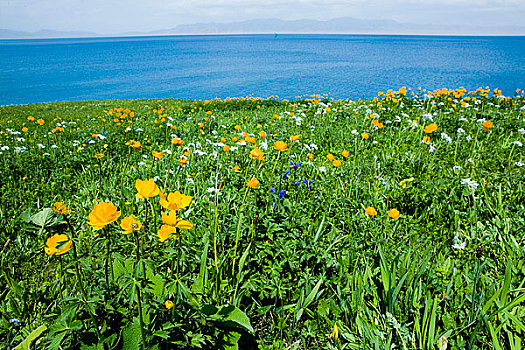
{"points": [[205, 67]]}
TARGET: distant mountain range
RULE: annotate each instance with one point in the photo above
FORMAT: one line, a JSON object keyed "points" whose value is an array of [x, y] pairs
{"points": [[344, 25]]}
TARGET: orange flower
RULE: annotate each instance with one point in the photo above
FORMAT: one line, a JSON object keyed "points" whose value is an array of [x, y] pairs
{"points": [[177, 142], [183, 161], [336, 163], [234, 139], [257, 154], [429, 129], [53, 243], [130, 224], [371, 211], [237, 127], [345, 153], [280, 146], [295, 137], [376, 122], [24, 129], [253, 183], [157, 155], [365, 136], [165, 232], [393, 213], [31, 119], [250, 139], [310, 157], [262, 134], [487, 125], [175, 201], [40, 121], [237, 169], [330, 157], [146, 188], [102, 214], [426, 139], [172, 220], [226, 148]]}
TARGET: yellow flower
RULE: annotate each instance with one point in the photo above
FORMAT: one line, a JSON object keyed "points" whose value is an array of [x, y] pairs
{"points": [[172, 220], [53, 243], [60, 208], [253, 183], [165, 232], [429, 129], [31, 119], [393, 213], [295, 137], [175, 201], [336, 163], [102, 214], [237, 169], [157, 155], [257, 154], [280, 146], [183, 161], [250, 139], [40, 121], [262, 134], [371, 211], [169, 304], [99, 155], [335, 333], [237, 127], [345, 153], [146, 188], [404, 182], [426, 139], [134, 144], [365, 136], [130, 224], [177, 142], [226, 148], [310, 157], [24, 129], [330, 157]]}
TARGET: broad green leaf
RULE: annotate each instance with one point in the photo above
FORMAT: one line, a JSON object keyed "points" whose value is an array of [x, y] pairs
{"points": [[34, 335]]}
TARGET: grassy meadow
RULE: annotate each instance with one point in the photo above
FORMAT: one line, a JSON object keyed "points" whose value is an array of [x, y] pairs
{"points": [[393, 223]]}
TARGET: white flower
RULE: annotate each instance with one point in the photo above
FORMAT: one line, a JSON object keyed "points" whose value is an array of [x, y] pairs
{"points": [[322, 169], [456, 168], [145, 156], [20, 139], [91, 141], [102, 137], [520, 164], [431, 148], [199, 152], [138, 129], [141, 163], [461, 131], [445, 137], [41, 146], [521, 131], [54, 146], [5, 148], [241, 143], [46, 154], [463, 119], [427, 116], [355, 132], [470, 184], [212, 190], [517, 143], [190, 181], [459, 245], [233, 148], [167, 151], [156, 178]]}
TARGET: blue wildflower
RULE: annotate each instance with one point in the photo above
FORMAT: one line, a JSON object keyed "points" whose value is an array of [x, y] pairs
{"points": [[296, 164], [15, 321], [285, 176], [282, 193], [273, 190]]}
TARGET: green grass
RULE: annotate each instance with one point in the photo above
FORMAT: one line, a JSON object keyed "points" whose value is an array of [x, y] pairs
{"points": [[296, 263]]}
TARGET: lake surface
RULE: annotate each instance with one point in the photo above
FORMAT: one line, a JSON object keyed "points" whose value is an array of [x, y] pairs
{"points": [[205, 67]]}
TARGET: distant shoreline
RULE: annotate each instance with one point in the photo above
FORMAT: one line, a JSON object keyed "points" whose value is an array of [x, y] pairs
{"points": [[109, 36]]}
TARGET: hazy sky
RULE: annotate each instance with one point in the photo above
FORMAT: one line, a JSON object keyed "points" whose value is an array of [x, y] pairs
{"points": [[117, 16]]}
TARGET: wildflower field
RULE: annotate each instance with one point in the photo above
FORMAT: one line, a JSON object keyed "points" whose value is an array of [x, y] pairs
{"points": [[393, 223]]}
